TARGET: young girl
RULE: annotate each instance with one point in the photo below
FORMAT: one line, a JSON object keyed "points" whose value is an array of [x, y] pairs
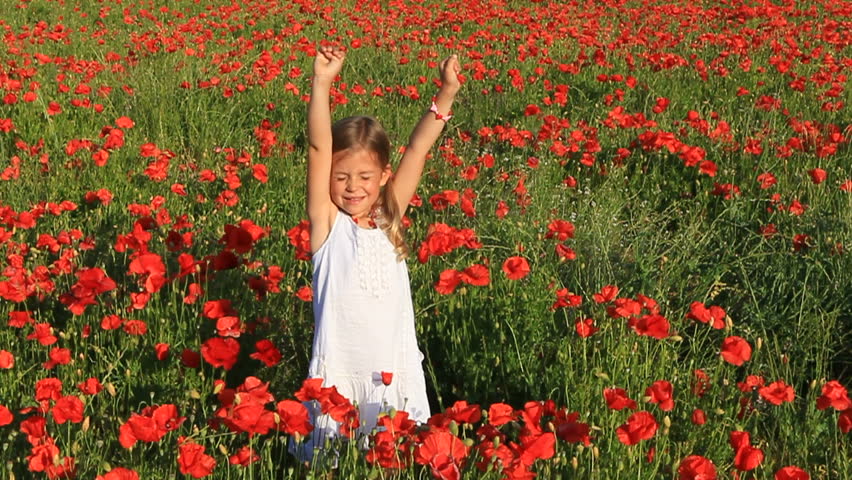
{"points": [[364, 338]]}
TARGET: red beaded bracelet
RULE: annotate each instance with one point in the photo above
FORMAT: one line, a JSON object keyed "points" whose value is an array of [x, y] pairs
{"points": [[438, 116]]}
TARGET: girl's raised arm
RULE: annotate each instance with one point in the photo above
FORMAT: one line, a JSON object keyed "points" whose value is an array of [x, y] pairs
{"points": [[327, 65], [425, 133]]}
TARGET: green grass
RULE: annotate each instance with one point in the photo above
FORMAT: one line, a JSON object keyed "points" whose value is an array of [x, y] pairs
{"points": [[650, 225]]}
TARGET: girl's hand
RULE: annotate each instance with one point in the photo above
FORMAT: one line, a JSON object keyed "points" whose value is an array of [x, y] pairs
{"points": [[450, 68], [328, 63]]}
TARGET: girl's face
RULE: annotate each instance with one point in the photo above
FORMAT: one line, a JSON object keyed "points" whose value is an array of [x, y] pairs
{"points": [[356, 181]]}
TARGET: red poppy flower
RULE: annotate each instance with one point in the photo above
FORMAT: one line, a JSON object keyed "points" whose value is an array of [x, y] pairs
{"points": [[833, 395], [655, 326], [91, 386], [607, 294], [586, 327], [260, 172], [748, 458], [617, 399], [48, 389], [6, 416], [698, 417], [516, 268], [714, 316], [244, 457], [750, 383], [461, 412], [443, 452], [387, 378], [660, 392], [560, 229], [398, 425], [149, 426], [539, 446], [300, 237], [736, 350], [502, 209], [624, 308], [844, 421], [124, 122], [696, 467], [190, 358], [229, 327], [266, 352], [193, 461], [43, 333], [135, 327], [305, 293], [68, 409], [7, 360], [221, 352], [817, 175], [161, 351], [568, 429], [701, 383], [312, 389], [476, 275], [19, 319], [791, 472], [500, 414], [34, 428], [53, 108], [777, 393], [448, 281], [385, 451], [247, 415], [294, 417], [119, 473], [639, 426], [441, 201], [111, 322]]}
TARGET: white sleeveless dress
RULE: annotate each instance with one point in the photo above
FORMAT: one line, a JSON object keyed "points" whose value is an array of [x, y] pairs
{"points": [[363, 326]]}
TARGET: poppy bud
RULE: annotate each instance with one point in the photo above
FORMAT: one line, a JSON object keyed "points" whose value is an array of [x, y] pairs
{"points": [[223, 449], [218, 387], [454, 428], [85, 426], [574, 463]]}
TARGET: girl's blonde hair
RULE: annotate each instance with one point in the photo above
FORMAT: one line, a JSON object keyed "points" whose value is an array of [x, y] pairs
{"points": [[366, 132]]}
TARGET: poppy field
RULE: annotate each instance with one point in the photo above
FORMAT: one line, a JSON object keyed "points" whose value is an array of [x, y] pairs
{"points": [[630, 250]]}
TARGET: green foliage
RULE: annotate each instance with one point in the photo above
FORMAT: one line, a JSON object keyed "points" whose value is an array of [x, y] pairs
{"points": [[645, 223]]}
